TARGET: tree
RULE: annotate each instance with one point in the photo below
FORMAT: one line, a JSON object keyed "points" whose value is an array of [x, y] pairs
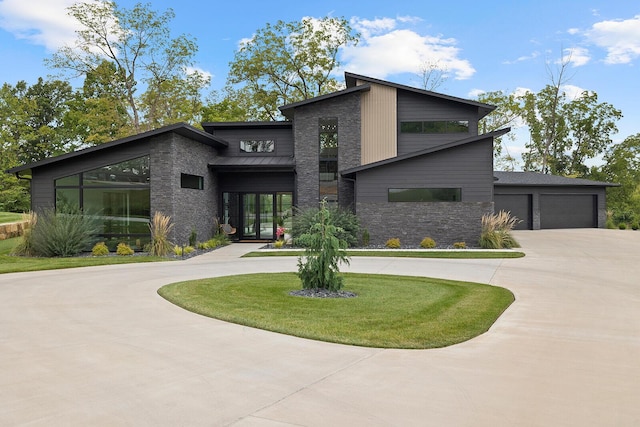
{"points": [[288, 62], [432, 75], [622, 166], [324, 251], [219, 109], [138, 44], [564, 133], [507, 114]]}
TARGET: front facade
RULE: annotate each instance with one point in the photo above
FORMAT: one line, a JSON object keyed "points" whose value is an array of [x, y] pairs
{"points": [[408, 162]]}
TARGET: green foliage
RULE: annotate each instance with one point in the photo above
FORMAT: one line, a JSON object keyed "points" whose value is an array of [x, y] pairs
{"points": [[193, 237], [278, 244], [319, 267], [100, 249], [287, 62], [182, 250], [160, 227], [25, 246], [635, 226], [622, 226], [428, 243], [123, 249], [460, 245], [137, 43], [496, 231], [65, 233], [505, 115], [393, 243], [346, 221], [366, 238]]}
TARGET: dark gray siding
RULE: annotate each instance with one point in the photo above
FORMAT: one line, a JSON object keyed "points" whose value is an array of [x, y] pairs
{"points": [[468, 167], [537, 192], [171, 155], [283, 140], [42, 185], [257, 182], [416, 107], [347, 109]]}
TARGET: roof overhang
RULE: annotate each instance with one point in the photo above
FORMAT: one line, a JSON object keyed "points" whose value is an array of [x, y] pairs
{"points": [[287, 110]]}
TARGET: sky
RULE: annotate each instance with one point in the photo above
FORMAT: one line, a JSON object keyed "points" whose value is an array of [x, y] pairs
{"points": [[484, 46]]}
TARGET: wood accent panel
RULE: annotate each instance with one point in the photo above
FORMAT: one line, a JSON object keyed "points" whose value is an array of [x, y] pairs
{"points": [[379, 124]]}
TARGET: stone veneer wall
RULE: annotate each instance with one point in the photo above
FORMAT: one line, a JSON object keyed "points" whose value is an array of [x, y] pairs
{"points": [[13, 229], [306, 136], [171, 155], [445, 222]]}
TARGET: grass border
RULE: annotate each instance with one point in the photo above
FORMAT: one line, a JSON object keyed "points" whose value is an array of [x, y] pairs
{"points": [[444, 254]]}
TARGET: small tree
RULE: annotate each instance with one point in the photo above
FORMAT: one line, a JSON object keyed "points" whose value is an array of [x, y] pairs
{"points": [[319, 267]]}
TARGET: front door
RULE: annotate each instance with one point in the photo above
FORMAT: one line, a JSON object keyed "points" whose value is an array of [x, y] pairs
{"points": [[256, 215]]}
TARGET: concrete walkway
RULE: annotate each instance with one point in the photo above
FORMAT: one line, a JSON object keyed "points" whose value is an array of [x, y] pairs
{"points": [[97, 346]]}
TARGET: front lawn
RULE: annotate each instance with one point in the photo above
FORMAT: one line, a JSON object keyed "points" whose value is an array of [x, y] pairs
{"points": [[6, 217], [389, 311]]}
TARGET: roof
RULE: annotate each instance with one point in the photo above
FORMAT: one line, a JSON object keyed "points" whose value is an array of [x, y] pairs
{"points": [[424, 152], [544, 180], [484, 109], [285, 109], [210, 127], [254, 163], [182, 129]]}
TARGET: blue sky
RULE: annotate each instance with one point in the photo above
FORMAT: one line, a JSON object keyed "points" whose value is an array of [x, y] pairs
{"points": [[486, 46]]}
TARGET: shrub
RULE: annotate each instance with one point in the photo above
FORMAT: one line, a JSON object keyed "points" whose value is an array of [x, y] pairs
{"points": [[393, 243], [346, 221], [160, 228], [610, 224], [124, 250], [25, 246], [182, 250], [318, 269], [64, 233], [203, 246], [622, 226], [100, 249], [496, 231], [278, 244], [428, 243], [366, 238], [635, 226], [193, 237], [460, 245]]}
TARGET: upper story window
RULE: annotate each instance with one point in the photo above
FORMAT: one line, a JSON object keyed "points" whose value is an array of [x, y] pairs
{"points": [[425, 194], [195, 182], [257, 146], [435, 126]]}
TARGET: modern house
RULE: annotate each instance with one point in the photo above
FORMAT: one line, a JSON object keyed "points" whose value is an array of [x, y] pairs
{"points": [[410, 163]]}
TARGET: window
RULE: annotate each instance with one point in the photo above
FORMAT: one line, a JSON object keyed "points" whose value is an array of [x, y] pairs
{"points": [[435, 126], [425, 194], [191, 181], [328, 159], [257, 146], [117, 195]]}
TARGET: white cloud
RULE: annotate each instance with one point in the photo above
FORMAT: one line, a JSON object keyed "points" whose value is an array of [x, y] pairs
{"points": [[572, 92], [474, 93], [532, 55], [385, 49], [621, 39], [197, 70], [42, 22], [576, 56], [573, 31]]}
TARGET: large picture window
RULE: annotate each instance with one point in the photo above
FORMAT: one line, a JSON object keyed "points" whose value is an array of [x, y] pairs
{"points": [[118, 195], [257, 146], [435, 126], [425, 194]]}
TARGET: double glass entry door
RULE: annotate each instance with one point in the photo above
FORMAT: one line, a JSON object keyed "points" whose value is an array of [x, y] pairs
{"points": [[256, 215]]}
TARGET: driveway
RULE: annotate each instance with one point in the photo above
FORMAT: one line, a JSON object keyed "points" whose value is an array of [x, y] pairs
{"points": [[97, 346]]}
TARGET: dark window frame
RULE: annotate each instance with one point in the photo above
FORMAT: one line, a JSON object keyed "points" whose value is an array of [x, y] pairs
{"points": [[257, 143], [192, 182], [424, 195], [434, 127]]}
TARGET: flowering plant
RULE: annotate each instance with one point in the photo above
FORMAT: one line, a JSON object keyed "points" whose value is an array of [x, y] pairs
{"points": [[280, 231]]}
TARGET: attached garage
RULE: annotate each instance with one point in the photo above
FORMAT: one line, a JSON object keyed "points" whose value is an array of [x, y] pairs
{"points": [[546, 201]]}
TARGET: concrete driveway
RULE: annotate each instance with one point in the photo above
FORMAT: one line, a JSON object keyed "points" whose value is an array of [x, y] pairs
{"points": [[97, 346]]}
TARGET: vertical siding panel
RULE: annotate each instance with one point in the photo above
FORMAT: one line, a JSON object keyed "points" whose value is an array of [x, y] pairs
{"points": [[379, 124]]}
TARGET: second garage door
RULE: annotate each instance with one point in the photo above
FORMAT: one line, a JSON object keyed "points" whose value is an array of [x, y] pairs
{"points": [[568, 211]]}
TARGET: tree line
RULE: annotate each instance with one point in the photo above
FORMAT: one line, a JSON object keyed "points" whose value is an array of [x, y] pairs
{"points": [[135, 76]]}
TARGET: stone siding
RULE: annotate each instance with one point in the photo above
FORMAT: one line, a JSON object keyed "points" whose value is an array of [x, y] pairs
{"points": [[171, 155], [347, 109], [445, 222]]}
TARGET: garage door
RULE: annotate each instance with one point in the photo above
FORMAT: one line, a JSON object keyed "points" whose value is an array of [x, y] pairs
{"points": [[518, 204], [568, 211]]}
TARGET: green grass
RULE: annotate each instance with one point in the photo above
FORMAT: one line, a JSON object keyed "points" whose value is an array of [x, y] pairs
{"points": [[389, 311], [458, 254], [10, 217], [16, 264]]}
